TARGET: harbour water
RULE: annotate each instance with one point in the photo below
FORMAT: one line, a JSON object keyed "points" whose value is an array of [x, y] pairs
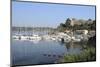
{"points": [[24, 52]]}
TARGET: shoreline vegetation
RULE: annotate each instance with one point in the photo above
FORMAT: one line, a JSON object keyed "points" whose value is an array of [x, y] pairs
{"points": [[85, 56], [75, 29], [88, 53]]}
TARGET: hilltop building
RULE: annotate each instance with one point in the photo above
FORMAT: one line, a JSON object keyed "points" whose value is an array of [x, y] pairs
{"points": [[74, 21]]}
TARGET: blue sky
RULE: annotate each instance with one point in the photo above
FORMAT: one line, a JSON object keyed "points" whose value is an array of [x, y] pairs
{"points": [[47, 15]]}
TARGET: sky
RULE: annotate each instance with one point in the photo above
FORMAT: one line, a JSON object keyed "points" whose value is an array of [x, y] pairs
{"points": [[47, 15]]}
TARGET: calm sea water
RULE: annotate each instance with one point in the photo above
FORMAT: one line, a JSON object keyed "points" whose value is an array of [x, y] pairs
{"points": [[42, 52]]}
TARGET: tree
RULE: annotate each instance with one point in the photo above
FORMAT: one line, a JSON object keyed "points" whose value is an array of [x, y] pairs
{"points": [[68, 21], [62, 25], [89, 19]]}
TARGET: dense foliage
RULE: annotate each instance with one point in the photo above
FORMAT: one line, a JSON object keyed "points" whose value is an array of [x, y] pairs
{"points": [[86, 55], [85, 25]]}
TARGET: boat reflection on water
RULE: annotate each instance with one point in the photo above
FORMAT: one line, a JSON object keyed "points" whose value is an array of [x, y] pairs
{"points": [[35, 49]]}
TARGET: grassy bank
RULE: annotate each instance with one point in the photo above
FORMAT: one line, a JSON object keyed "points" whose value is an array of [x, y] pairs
{"points": [[86, 55]]}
